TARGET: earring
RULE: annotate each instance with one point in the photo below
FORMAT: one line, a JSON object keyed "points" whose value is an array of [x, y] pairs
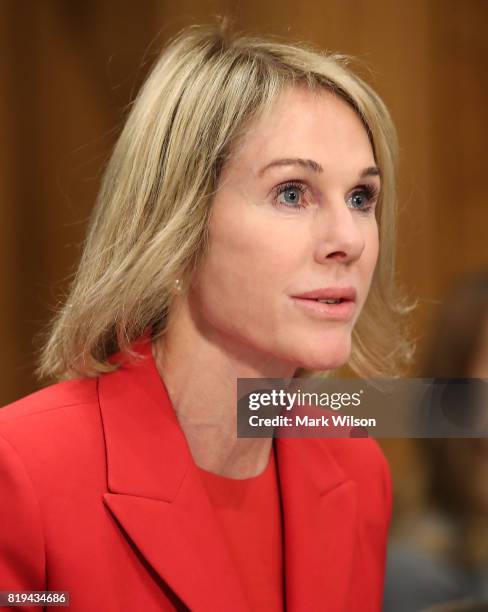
{"points": [[178, 285]]}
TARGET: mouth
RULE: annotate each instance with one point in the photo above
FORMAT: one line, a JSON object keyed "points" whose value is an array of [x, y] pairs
{"points": [[325, 301], [336, 303], [329, 295]]}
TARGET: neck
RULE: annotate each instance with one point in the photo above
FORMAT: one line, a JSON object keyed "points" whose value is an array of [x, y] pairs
{"points": [[200, 369]]}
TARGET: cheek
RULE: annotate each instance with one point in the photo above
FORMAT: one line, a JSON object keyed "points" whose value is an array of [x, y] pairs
{"points": [[244, 269], [371, 250], [367, 264]]}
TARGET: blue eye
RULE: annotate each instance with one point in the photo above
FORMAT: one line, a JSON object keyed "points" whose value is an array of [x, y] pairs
{"points": [[358, 200], [292, 194], [363, 199]]}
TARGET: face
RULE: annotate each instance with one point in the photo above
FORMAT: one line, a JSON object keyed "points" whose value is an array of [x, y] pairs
{"points": [[280, 229]]}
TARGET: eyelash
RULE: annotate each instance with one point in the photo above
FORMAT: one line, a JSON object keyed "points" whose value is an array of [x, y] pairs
{"points": [[371, 192]]}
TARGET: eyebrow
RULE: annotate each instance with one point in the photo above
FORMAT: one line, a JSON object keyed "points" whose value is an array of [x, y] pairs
{"points": [[312, 165]]}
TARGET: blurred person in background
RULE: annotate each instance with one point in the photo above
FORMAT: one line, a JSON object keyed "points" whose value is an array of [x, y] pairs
{"points": [[440, 551]]}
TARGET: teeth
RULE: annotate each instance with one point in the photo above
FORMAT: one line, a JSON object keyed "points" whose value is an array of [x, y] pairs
{"points": [[338, 301]]}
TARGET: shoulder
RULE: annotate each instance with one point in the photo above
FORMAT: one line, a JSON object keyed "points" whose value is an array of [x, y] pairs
{"points": [[49, 444], [33, 407], [62, 394], [359, 457], [57, 420], [363, 462]]}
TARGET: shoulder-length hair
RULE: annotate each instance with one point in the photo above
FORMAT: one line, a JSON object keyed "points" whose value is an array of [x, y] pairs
{"points": [[149, 225]]}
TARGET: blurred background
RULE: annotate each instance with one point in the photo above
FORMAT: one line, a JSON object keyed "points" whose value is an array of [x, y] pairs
{"points": [[68, 72]]}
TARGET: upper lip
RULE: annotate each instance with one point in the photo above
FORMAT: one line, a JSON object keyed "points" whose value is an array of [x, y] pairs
{"points": [[329, 293]]}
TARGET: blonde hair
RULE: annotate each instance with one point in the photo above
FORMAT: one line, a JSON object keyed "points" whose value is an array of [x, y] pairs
{"points": [[149, 225]]}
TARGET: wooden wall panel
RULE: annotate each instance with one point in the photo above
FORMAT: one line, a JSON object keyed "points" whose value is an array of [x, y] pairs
{"points": [[68, 71]]}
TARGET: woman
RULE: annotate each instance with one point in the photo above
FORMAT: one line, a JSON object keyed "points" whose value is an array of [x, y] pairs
{"points": [[250, 172]]}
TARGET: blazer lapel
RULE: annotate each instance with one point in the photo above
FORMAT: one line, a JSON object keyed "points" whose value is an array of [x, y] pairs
{"points": [[154, 491], [319, 515], [159, 502]]}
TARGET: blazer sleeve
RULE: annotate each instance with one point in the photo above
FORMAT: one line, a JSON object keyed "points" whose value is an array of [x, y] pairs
{"points": [[388, 489], [380, 523], [22, 548], [388, 500]]}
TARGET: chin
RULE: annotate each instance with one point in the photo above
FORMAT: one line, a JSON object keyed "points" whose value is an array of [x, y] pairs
{"points": [[329, 354], [325, 361]]}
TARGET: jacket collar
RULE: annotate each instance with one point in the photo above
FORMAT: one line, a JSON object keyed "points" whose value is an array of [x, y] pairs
{"points": [[155, 493]]}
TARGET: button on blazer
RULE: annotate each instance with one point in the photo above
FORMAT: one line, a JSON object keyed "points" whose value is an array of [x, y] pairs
{"points": [[100, 497]]}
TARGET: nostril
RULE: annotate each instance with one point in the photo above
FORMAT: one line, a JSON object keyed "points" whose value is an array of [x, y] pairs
{"points": [[337, 255]]}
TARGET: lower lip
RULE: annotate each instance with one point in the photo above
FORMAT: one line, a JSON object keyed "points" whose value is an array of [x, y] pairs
{"points": [[336, 312]]}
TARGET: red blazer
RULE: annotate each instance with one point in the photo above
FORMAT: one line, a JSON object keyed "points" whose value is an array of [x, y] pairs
{"points": [[100, 497]]}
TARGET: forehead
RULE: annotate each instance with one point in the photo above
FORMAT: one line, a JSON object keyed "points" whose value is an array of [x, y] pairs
{"points": [[318, 125]]}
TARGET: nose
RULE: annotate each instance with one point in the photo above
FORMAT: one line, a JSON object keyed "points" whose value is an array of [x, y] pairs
{"points": [[340, 233]]}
